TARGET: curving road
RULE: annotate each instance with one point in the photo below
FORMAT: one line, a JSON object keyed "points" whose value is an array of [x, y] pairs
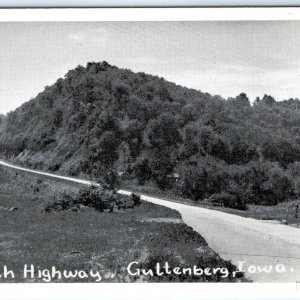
{"points": [[248, 243], [267, 252]]}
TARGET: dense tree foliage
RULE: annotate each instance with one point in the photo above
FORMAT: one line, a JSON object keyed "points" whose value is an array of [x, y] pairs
{"points": [[100, 120]]}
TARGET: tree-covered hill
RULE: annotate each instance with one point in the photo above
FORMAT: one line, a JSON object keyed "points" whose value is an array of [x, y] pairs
{"points": [[99, 120]]}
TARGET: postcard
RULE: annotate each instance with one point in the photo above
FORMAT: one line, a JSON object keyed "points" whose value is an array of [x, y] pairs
{"points": [[150, 146]]}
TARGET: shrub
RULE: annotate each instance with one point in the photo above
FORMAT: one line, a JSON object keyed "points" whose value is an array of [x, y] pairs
{"points": [[95, 197], [136, 199], [92, 196], [227, 200], [123, 202]]}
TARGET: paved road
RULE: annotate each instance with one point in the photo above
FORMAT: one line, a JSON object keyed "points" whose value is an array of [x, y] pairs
{"points": [[255, 243], [258, 244]]}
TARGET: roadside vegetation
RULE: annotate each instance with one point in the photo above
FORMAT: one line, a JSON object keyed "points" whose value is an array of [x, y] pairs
{"points": [[287, 212], [59, 224], [98, 198]]}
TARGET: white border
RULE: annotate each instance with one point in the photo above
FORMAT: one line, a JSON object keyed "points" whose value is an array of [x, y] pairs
{"points": [[169, 291], [150, 14], [151, 291]]}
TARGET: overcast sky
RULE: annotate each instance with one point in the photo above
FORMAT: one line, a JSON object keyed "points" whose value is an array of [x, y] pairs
{"points": [[224, 58]]}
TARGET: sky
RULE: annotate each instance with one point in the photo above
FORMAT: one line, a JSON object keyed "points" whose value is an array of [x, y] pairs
{"points": [[221, 58]]}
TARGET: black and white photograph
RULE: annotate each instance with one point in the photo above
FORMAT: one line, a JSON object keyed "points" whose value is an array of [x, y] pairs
{"points": [[150, 151]]}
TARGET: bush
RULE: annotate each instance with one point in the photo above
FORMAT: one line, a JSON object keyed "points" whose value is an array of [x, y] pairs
{"points": [[98, 198], [92, 196], [136, 199], [227, 200]]}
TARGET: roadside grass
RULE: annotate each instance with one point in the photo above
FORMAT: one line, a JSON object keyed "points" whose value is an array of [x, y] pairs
{"points": [[85, 240], [282, 212]]}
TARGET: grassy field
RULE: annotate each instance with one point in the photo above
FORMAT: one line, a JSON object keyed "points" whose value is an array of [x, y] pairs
{"points": [[282, 212], [89, 240]]}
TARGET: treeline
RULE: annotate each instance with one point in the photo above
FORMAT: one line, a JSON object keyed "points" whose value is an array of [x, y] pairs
{"points": [[101, 121]]}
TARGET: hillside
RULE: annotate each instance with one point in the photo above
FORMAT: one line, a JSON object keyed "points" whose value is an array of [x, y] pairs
{"points": [[99, 120]]}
